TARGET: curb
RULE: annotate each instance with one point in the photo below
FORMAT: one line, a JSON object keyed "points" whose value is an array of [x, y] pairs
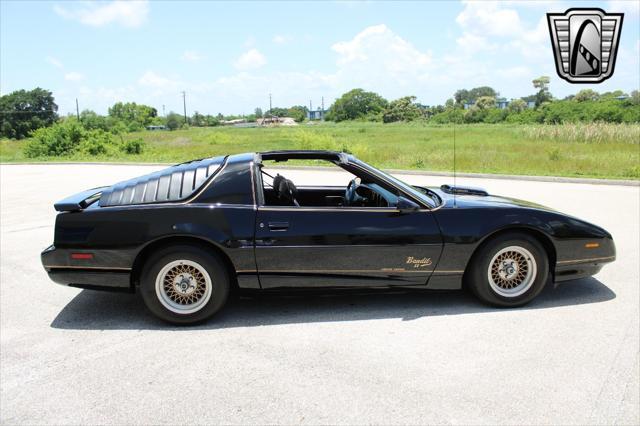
{"points": [[556, 179]]}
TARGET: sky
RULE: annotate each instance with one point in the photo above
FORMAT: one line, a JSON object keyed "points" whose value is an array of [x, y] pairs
{"points": [[229, 56]]}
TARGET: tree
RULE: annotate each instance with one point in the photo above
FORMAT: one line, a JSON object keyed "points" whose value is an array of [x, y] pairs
{"points": [[517, 105], [174, 121], [298, 113], [278, 112], [22, 112], [92, 121], [612, 95], [586, 95], [461, 96], [542, 84], [483, 91], [464, 96], [449, 104], [258, 112], [403, 109], [197, 120], [355, 104], [134, 115], [486, 102]]}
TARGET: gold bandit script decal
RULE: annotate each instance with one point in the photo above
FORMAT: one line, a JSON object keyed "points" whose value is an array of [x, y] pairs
{"points": [[419, 263]]}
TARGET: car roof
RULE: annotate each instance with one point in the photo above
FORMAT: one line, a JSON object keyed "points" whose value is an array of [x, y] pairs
{"points": [[284, 155]]}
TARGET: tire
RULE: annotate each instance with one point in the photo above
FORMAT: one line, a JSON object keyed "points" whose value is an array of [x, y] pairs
{"points": [[184, 284], [509, 270]]}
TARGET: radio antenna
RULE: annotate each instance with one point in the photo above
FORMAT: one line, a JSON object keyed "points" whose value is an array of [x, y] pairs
{"points": [[454, 165]]}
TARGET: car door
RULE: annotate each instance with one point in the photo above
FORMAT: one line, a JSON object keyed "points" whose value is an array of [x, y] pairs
{"points": [[345, 247]]}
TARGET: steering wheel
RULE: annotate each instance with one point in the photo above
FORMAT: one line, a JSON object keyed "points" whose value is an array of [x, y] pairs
{"points": [[351, 196]]}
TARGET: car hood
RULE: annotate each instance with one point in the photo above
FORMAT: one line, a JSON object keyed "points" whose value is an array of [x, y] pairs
{"points": [[473, 200]]}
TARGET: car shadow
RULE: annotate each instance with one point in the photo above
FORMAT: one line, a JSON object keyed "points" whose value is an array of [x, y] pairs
{"points": [[93, 310]]}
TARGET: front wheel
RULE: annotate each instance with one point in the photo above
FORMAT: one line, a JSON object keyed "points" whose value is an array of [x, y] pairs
{"points": [[510, 270], [184, 284]]}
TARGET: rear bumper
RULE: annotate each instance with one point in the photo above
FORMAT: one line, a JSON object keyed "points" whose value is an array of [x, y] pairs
{"points": [[91, 279], [84, 276]]}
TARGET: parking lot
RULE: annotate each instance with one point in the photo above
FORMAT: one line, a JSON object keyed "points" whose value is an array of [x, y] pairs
{"points": [[79, 357]]}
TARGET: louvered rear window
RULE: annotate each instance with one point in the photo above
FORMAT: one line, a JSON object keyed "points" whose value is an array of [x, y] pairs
{"points": [[171, 184]]}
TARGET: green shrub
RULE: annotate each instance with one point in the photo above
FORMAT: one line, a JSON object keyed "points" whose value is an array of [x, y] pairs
{"points": [[97, 142], [496, 115], [63, 138], [134, 146]]}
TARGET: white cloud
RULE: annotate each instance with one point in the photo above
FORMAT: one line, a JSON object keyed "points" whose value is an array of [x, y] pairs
{"points": [[378, 44], [152, 79], [97, 14], [489, 18], [470, 42], [191, 56], [73, 76], [281, 39], [54, 61], [250, 59], [491, 25]]}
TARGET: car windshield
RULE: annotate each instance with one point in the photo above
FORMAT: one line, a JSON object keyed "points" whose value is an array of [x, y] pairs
{"points": [[397, 182]]}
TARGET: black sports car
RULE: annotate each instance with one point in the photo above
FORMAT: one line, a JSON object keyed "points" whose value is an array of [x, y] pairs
{"points": [[187, 235]]}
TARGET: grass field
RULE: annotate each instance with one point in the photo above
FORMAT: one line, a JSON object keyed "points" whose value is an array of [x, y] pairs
{"points": [[588, 150]]}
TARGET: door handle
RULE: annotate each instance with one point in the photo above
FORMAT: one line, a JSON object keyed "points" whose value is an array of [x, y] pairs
{"points": [[278, 226]]}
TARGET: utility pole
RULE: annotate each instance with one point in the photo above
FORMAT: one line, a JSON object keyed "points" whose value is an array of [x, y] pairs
{"points": [[164, 114], [310, 109], [184, 104], [77, 110], [322, 112], [270, 107]]}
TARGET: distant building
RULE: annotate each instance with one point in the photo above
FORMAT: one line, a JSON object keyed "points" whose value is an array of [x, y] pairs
{"points": [[318, 114], [531, 104], [156, 127], [502, 103]]}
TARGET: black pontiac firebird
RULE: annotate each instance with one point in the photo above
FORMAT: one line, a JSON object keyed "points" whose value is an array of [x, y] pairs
{"points": [[186, 235]]}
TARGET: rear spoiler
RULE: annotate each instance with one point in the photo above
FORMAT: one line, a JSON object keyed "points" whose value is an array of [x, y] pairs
{"points": [[79, 201], [464, 190]]}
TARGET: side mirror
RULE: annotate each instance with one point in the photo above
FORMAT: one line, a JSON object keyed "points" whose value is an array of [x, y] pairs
{"points": [[406, 206]]}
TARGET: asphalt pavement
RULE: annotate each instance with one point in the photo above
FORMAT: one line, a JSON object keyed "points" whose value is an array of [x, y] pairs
{"points": [[70, 356]]}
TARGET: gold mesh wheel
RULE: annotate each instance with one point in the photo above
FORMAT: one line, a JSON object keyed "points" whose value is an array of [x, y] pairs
{"points": [[183, 286], [512, 271]]}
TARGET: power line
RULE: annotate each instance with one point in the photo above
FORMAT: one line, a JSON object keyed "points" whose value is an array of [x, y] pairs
{"points": [[46, 111]]}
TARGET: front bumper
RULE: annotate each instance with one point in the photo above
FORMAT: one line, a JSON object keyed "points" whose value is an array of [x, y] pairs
{"points": [[581, 269]]}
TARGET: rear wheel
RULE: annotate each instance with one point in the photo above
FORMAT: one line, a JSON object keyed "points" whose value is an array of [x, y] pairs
{"points": [[184, 284], [510, 270]]}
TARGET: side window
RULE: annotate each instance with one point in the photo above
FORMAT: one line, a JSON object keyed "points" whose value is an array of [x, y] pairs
{"points": [[232, 185], [283, 185]]}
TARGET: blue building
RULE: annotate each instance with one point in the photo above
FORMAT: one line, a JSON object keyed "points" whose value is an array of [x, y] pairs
{"points": [[318, 114]]}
